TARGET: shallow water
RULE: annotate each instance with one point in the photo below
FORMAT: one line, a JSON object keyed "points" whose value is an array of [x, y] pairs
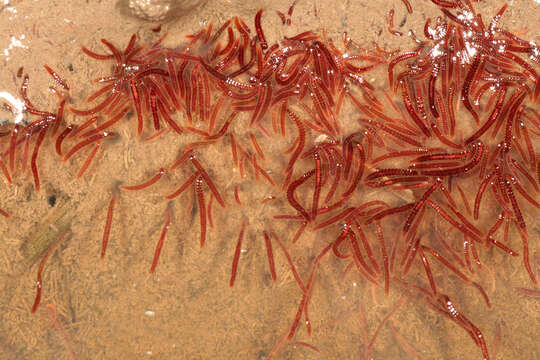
{"points": [[113, 308]]}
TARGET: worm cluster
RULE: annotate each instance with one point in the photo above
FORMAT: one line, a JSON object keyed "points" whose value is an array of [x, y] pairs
{"points": [[452, 141]]}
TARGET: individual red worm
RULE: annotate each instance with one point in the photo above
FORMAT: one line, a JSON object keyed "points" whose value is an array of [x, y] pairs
{"points": [[479, 194], [25, 154], [389, 212], [256, 145], [359, 172], [528, 142], [236, 197], [290, 194], [408, 5], [396, 307], [467, 85], [408, 259], [24, 89], [299, 232], [168, 119], [101, 106], [56, 77], [4, 213], [474, 331], [408, 105], [5, 171], [153, 106], [503, 247], [413, 180], [442, 164], [367, 247], [443, 139], [289, 261], [88, 160], [384, 254], [208, 181], [12, 146], [184, 186], [524, 193], [33, 161], [202, 208], [59, 116], [516, 96], [404, 344], [479, 152], [299, 147], [512, 113], [515, 206], [332, 220], [270, 255], [39, 281], [391, 172], [452, 221], [307, 294], [427, 268], [137, 102], [82, 127], [258, 28], [237, 251], [318, 185], [114, 50], [336, 245], [358, 258], [396, 61], [146, 184], [224, 128], [108, 224], [492, 118], [431, 89], [451, 114], [95, 55], [107, 124], [209, 211], [88, 141], [464, 199], [390, 21], [159, 246]]}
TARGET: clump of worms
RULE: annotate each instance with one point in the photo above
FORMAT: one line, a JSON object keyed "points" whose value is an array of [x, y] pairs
{"points": [[459, 112]]}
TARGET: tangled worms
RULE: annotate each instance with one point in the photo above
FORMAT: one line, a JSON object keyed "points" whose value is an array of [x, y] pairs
{"points": [[459, 113]]}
